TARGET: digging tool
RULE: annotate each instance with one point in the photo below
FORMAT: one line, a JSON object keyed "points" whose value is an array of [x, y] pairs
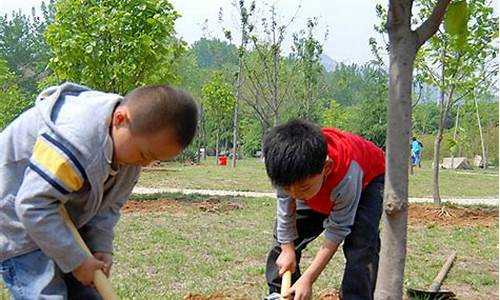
{"points": [[286, 282], [434, 292], [101, 282]]}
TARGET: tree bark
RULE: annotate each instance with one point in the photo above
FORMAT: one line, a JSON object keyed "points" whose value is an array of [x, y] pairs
{"points": [[402, 52], [483, 148], [236, 112], [404, 44], [435, 167], [217, 146]]}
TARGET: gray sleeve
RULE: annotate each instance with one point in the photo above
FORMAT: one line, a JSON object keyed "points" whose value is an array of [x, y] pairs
{"points": [[346, 196], [286, 227], [98, 233], [37, 207]]}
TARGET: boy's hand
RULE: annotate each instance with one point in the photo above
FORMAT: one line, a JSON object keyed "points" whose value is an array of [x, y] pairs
{"points": [[107, 258], [85, 272], [302, 289], [287, 260]]}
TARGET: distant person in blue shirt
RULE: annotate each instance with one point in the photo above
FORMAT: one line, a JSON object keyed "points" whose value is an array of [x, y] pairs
{"points": [[416, 147]]}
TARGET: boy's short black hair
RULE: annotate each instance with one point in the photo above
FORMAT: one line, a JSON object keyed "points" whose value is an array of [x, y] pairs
{"points": [[294, 151], [156, 107]]}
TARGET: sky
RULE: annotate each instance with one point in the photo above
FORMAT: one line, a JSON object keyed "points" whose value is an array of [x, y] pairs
{"points": [[349, 22]]}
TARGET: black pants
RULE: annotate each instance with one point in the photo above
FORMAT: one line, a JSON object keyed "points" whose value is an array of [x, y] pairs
{"points": [[361, 247]]}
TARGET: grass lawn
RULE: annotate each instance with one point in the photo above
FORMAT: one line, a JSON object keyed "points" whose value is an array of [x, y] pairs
{"points": [[185, 248], [250, 175], [199, 246]]}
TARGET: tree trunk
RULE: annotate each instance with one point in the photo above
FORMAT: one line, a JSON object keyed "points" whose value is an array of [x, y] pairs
{"points": [[483, 148], [403, 46], [402, 50], [435, 167], [236, 113], [455, 135], [217, 146], [276, 54], [439, 137]]}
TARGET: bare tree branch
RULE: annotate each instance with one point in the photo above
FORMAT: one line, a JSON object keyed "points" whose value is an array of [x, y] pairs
{"points": [[431, 25]]}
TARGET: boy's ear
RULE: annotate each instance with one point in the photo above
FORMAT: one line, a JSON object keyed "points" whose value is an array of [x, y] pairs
{"points": [[121, 116], [328, 167]]}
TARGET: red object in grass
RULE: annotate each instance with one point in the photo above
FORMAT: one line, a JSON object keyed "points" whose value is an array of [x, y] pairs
{"points": [[222, 160]]}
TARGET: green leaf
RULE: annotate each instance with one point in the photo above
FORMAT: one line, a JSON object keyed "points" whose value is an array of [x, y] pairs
{"points": [[457, 17]]}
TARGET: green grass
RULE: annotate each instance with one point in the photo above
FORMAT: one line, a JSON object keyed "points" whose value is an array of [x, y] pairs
{"points": [[170, 254], [183, 249], [250, 175], [454, 183]]}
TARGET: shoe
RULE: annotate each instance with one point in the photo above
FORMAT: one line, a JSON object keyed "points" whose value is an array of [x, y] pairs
{"points": [[273, 296]]}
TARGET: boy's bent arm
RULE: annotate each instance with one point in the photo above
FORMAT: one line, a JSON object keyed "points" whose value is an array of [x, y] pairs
{"points": [[286, 226], [37, 206], [347, 194], [324, 255], [98, 233]]}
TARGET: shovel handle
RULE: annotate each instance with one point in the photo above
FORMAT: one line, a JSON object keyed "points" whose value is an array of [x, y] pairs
{"points": [[286, 283], [101, 282], [438, 281]]}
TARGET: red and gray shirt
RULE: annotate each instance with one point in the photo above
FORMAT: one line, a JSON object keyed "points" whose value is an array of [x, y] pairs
{"points": [[356, 162]]}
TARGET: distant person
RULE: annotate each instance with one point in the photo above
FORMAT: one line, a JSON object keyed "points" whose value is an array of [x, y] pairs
{"points": [[84, 149], [327, 180], [416, 152]]}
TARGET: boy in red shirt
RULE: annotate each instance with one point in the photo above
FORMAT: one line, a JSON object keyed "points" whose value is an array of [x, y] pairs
{"points": [[327, 180]]}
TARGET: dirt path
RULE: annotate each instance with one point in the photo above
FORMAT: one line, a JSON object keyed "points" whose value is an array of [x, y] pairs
{"points": [[148, 190]]}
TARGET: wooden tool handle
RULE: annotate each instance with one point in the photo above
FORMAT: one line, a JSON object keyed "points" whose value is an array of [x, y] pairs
{"points": [[101, 282], [286, 283], [438, 281]]}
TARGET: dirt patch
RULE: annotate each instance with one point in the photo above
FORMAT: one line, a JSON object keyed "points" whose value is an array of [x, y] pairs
{"points": [[147, 206], [329, 295], [324, 295], [210, 205], [215, 296], [451, 216], [418, 214], [215, 205]]}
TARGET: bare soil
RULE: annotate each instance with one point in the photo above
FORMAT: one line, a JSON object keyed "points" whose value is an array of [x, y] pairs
{"points": [[324, 295]]}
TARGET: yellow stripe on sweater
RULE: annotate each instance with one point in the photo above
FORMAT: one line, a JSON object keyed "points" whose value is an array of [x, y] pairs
{"points": [[57, 164]]}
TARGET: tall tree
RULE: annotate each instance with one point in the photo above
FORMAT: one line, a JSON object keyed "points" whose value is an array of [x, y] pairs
{"points": [[218, 103], [404, 43], [23, 46], [307, 50], [245, 28], [214, 53], [12, 101], [114, 45], [458, 64]]}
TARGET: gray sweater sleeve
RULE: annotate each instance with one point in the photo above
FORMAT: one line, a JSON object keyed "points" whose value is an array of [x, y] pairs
{"points": [[346, 196], [37, 206], [98, 233], [286, 218]]}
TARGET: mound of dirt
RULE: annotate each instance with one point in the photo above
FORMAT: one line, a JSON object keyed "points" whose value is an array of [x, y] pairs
{"points": [[419, 214], [210, 205], [329, 295], [215, 296], [324, 295]]}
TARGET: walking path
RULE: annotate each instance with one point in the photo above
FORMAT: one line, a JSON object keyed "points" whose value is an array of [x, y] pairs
{"points": [[147, 190]]}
